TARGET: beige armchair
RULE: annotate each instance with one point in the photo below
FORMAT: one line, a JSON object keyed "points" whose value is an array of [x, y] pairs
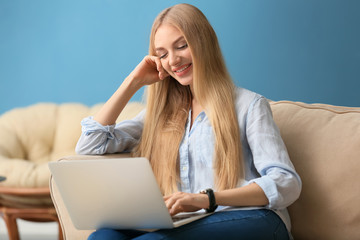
{"points": [[30, 138], [324, 144]]}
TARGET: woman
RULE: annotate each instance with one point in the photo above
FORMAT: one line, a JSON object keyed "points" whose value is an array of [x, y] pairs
{"points": [[199, 132]]}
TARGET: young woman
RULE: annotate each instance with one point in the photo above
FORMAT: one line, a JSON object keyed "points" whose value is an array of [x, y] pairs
{"points": [[199, 132]]}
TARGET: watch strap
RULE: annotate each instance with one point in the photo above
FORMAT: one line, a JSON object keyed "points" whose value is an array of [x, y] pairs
{"points": [[212, 202]]}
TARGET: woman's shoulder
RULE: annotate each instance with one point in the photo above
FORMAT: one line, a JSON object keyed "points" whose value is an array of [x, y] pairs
{"points": [[245, 98], [249, 103]]}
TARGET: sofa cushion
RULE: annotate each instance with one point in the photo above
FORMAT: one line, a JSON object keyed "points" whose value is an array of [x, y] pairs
{"points": [[324, 145]]}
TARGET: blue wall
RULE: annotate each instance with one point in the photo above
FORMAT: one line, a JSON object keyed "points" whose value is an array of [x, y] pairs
{"points": [[81, 50]]}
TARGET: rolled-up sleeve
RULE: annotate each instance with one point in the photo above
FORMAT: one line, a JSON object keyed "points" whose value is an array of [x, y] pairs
{"points": [[99, 139], [278, 178]]}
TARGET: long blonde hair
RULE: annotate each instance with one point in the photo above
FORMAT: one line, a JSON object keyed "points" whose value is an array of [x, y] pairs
{"points": [[168, 105]]}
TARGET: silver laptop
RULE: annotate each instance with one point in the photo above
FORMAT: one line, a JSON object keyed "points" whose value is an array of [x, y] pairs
{"points": [[119, 193]]}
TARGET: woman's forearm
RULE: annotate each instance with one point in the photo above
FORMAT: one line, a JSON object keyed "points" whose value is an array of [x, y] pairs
{"points": [[114, 106], [250, 195], [147, 72]]}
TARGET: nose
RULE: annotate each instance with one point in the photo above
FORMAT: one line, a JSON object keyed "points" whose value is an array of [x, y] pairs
{"points": [[174, 59]]}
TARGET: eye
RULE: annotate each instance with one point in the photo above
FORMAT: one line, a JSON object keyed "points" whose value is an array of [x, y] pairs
{"points": [[183, 46], [163, 56]]}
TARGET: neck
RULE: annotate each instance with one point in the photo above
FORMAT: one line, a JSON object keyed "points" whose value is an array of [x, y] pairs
{"points": [[192, 90], [194, 102]]}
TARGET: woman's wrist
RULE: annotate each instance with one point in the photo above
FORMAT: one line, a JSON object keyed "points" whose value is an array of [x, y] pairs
{"points": [[131, 83], [212, 200]]}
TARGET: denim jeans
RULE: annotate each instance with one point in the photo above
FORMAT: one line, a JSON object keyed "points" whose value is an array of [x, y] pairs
{"points": [[242, 224]]}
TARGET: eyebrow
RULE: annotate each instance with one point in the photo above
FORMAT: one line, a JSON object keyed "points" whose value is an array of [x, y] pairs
{"points": [[176, 41]]}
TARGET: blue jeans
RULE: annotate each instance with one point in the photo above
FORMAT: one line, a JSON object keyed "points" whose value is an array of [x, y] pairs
{"points": [[244, 224]]}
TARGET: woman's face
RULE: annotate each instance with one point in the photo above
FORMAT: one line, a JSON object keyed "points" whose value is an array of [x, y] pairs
{"points": [[174, 53]]}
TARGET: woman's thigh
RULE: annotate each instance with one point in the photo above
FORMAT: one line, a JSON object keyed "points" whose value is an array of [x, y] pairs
{"points": [[247, 224], [244, 224]]}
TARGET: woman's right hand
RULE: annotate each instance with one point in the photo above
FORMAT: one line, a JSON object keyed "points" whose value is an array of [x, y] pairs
{"points": [[148, 71]]}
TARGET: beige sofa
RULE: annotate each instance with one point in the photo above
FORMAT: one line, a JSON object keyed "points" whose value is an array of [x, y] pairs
{"points": [[324, 144]]}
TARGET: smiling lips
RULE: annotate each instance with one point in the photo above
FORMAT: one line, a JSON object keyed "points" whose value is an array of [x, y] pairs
{"points": [[182, 70]]}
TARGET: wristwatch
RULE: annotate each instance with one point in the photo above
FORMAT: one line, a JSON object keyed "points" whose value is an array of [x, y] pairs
{"points": [[212, 201]]}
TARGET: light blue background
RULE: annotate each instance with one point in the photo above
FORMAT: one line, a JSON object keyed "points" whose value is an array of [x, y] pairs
{"points": [[81, 50]]}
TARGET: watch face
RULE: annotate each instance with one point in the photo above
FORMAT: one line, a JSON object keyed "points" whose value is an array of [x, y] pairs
{"points": [[203, 191]]}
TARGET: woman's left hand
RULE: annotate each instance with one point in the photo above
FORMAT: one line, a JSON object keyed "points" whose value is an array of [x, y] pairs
{"points": [[186, 202]]}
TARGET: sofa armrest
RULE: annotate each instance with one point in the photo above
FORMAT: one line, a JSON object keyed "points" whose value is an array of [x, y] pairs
{"points": [[69, 231]]}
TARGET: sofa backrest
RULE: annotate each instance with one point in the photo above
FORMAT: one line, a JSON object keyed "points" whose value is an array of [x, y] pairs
{"points": [[323, 142]]}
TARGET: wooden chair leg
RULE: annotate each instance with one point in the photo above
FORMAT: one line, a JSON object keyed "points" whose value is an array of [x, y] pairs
{"points": [[34, 215], [11, 226]]}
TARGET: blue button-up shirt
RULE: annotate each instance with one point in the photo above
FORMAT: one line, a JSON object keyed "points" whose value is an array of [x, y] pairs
{"points": [[195, 162], [266, 160]]}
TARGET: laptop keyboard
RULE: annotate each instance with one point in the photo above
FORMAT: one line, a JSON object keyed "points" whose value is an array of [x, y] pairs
{"points": [[180, 217]]}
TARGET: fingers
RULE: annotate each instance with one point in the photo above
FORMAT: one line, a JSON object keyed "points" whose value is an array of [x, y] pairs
{"points": [[159, 67], [174, 203], [181, 202], [148, 71], [162, 73]]}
